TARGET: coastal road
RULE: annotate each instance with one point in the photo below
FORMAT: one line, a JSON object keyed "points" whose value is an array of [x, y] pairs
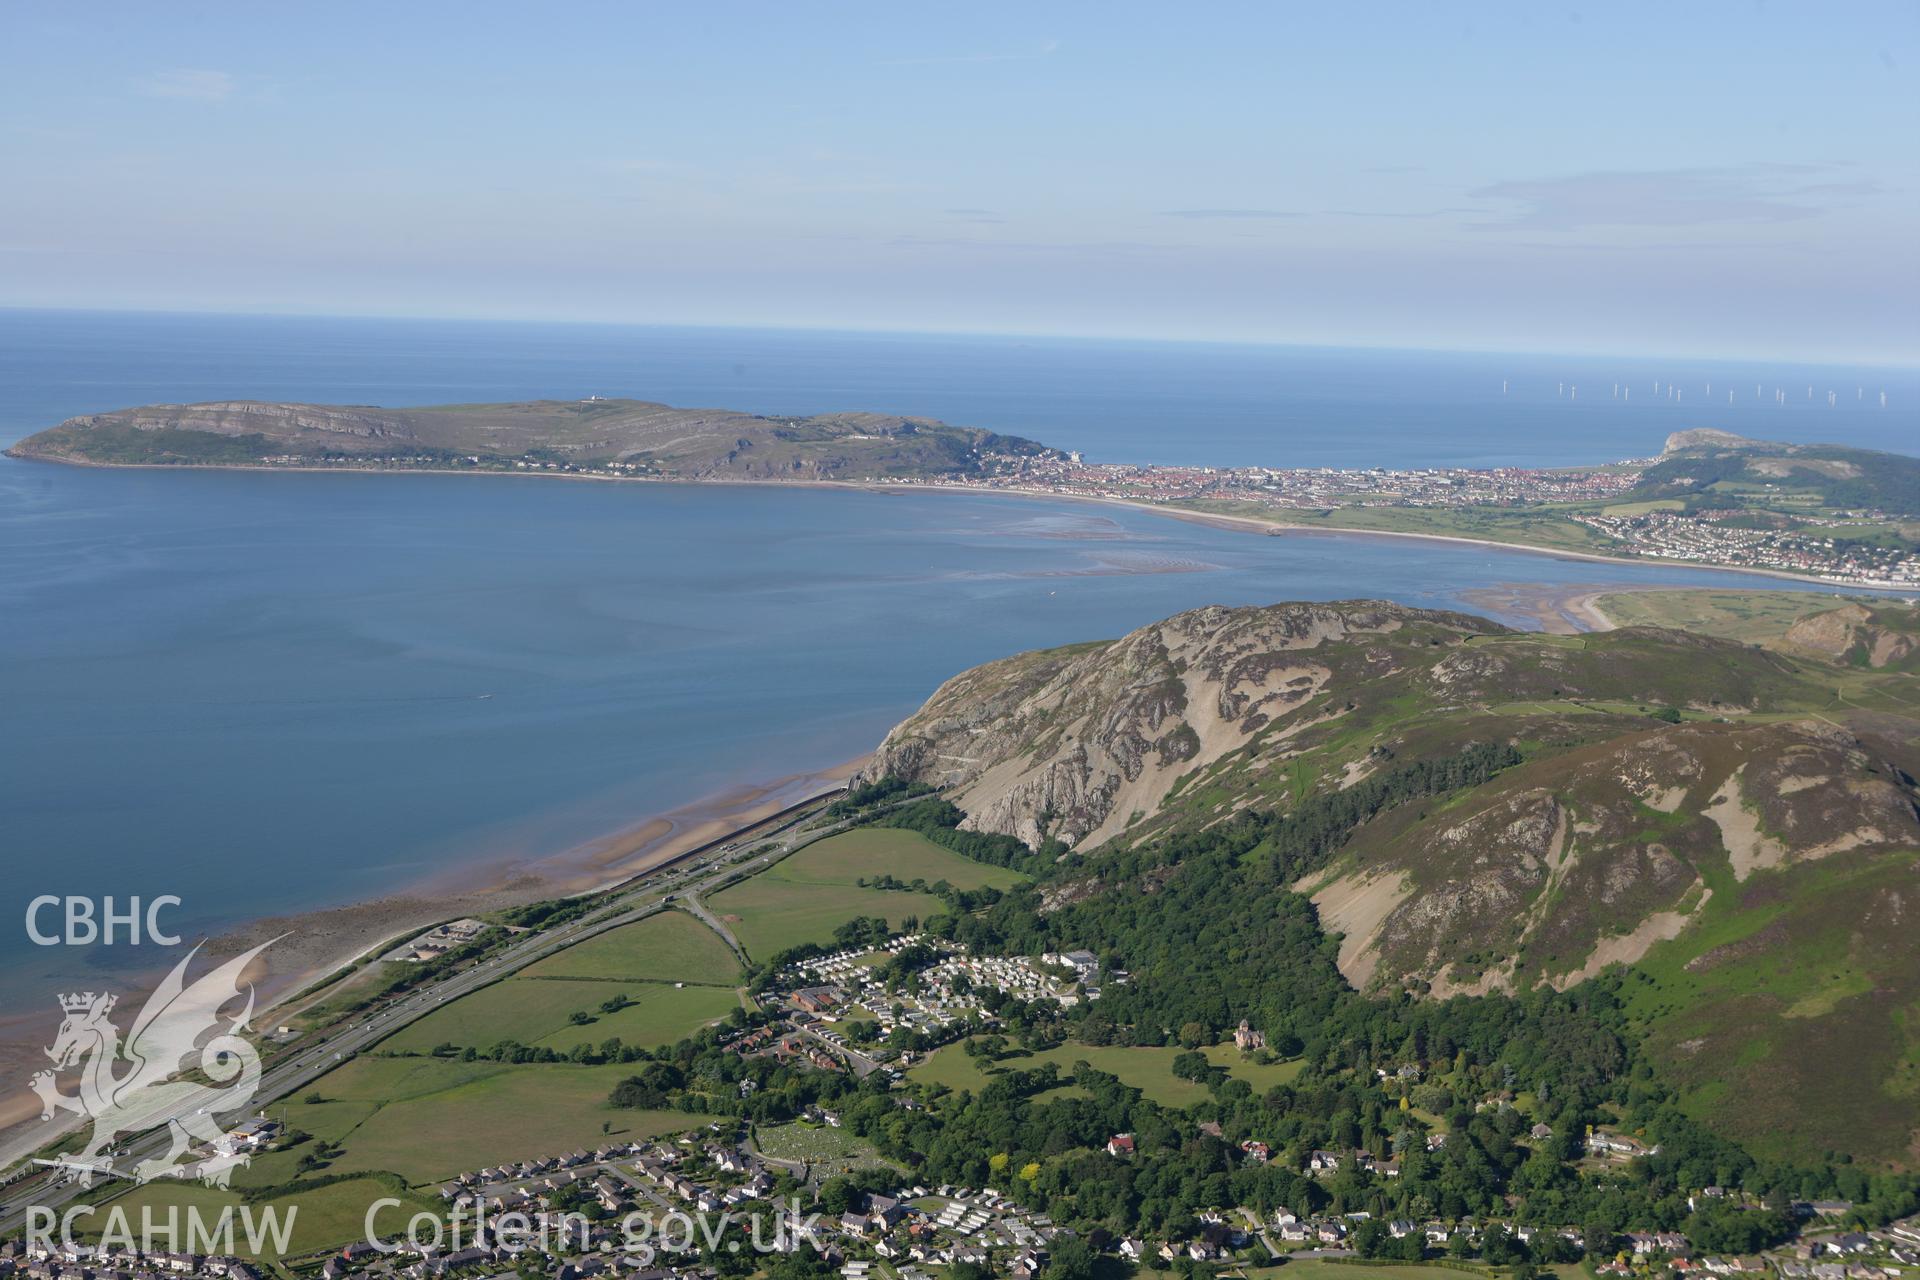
{"points": [[703, 870]]}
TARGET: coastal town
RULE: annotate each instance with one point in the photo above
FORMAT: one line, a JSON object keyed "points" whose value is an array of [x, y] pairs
{"points": [[1827, 547], [1307, 488], [635, 1211], [1818, 548], [1588, 510]]}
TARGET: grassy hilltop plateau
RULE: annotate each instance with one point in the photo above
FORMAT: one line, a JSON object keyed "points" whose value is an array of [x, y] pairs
{"points": [[620, 437]]}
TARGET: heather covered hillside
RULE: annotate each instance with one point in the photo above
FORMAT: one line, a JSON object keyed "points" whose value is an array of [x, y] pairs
{"points": [[1474, 811]]}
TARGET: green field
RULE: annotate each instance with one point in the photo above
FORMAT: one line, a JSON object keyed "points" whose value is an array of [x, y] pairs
{"points": [[769, 916], [539, 1011], [323, 1218], [950, 1067], [1751, 617], [658, 1016], [1261, 1077], [1526, 526], [669, 947], [428, 1119], [1319, 1269], [1147, 1068], [805, 897]]}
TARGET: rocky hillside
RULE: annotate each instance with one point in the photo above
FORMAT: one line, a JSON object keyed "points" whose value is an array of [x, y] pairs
{"points": [[1737, 826], [1081, 744], [613, 436], [1881, 637], [1577, 861], [1219, 708]]}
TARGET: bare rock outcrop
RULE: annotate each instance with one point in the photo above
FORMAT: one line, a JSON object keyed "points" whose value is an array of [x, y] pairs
{"points": [[1854, 632], [1079, 744]]}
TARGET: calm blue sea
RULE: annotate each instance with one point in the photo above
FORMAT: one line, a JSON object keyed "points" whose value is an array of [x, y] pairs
{"points": [[266, 693]]}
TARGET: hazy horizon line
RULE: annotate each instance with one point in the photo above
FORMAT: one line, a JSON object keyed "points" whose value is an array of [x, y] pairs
{"points": [[1001, 334]]}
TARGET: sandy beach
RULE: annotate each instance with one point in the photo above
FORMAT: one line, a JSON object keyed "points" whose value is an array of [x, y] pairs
{"points": [[1556, 610]]}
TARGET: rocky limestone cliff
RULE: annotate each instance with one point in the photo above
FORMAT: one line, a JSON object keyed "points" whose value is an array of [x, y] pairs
{"points": [[1080, 744], [246, 417]]}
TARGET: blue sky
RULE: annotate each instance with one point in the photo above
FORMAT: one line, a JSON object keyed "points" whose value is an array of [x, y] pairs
{"points": [[1697, 178]]}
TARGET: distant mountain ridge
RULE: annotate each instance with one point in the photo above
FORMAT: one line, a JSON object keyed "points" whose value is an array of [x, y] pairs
{"points": [[617, 436]]}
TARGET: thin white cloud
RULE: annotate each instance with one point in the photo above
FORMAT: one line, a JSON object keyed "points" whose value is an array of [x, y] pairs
{"points": [[1401, 213], [1230, 213], [1668, 197], [190, 84]]}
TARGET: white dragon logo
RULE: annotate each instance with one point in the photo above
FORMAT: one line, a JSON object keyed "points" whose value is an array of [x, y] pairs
{"points": [[164, 1043]]}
